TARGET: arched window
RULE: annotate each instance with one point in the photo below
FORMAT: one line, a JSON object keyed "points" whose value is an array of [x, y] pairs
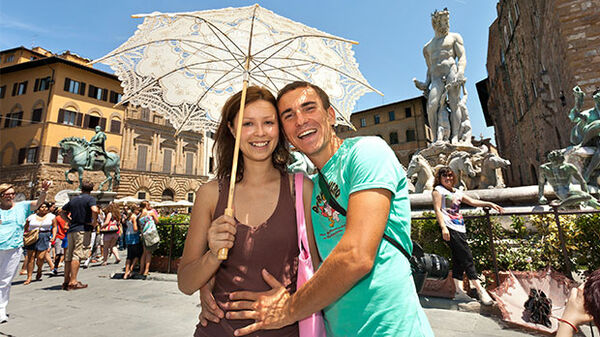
{"points": [[167, 195], [115, 125]]}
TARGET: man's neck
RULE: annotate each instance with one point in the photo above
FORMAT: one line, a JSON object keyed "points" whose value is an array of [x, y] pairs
{"points": [[321, 158]]}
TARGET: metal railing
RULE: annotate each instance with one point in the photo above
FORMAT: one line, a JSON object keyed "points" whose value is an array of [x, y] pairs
{"points": [[561, 237]]}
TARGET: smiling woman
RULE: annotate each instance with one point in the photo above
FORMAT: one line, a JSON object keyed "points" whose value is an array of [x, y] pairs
{"points": [[261, 234]]}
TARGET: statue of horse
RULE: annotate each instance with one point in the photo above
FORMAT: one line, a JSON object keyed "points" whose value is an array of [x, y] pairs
{"points": [[461, 164], [418, 165], [489, 165], [77, 149]]}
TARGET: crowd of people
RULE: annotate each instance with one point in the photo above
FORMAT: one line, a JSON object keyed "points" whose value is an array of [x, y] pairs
{"points": [[80, 233]]}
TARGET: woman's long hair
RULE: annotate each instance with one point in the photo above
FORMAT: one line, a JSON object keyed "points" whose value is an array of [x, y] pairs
{"points": [[225, 141], [113, 209], [440, 172]]}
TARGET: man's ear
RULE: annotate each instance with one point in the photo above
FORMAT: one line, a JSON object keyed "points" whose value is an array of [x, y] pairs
{"points": [[331, 115]]}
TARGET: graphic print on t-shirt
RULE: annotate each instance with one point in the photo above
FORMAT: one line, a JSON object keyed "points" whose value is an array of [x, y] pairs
{"points": [[454, 210]]}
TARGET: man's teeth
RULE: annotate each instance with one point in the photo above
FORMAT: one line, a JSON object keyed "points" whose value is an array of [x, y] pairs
{"points": [[306, 133], [260, 144]]}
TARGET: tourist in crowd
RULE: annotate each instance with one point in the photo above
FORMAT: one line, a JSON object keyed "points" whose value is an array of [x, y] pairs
{"points": [[12, 220], [132, 239], [446, 204], [49, 256], [583, 307], [262, 200], [96, 240], [84, 217], [147, 214], [110, 231], [45, 223], [58, 243]]}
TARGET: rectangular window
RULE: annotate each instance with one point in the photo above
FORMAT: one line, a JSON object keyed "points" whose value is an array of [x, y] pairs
{"points": [[42, 84], [189, 163], [211, 165], [115, 97], [115, 126], [97, 93], [141, 195], [74, 87], [31, 156], [363, 122], [9, 58], [167, 155], [210, 135], [57, 157], [68, 117], [141, 158], [410, 135], [91, 121], [36, 116], [376, 119], [190, 196], [145, 114], [2, 91], [19, 88], [408, 112], [393, 138], [392, 115], [13, 119]]}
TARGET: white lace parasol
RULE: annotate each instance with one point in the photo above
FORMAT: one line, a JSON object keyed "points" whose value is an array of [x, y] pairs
{"points": [[186, 65]]}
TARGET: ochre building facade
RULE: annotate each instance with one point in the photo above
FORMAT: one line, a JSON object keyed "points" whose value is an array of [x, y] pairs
{"points": [[46, 97], [401, 124]]}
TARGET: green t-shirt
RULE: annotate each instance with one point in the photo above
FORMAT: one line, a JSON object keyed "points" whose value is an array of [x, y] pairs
{"points": [[384, 302]]}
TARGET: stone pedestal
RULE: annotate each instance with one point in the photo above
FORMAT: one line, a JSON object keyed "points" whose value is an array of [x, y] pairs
{"points": [[103, 198]]}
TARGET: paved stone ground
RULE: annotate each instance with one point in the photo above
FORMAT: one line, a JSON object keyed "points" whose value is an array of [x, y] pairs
{"points": [[154, 307]]}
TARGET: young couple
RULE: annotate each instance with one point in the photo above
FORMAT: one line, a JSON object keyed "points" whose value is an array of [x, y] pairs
{"points": [[363, 283]]}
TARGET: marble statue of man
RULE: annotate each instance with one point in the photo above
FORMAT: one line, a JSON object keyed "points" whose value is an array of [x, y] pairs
{"points": [[559, 174], [446, 63], [96, 147]]}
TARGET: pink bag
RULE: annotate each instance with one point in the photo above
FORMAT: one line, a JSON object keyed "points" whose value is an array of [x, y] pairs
{"points": [[311, 326]]}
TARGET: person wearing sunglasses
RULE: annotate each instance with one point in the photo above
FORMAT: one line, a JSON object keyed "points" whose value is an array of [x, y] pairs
{"points": [[446, 204], [12, 221]]}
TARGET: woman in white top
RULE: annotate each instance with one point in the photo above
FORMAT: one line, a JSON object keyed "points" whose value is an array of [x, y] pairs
{"points": [[446, 204], [45, 222]]}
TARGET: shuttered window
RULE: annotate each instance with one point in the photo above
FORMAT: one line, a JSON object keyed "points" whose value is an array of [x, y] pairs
{"points": [[167, 156], [189, 163], [141, 158]]}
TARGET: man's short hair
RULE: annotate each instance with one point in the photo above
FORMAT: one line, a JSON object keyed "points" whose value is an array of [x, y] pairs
{"points": [[303, 84], [87, 186]]}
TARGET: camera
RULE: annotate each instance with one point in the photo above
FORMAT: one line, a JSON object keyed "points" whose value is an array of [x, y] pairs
{"points": [[427, 266]]}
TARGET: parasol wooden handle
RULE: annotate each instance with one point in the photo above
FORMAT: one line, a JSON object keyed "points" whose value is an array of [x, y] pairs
{"points": [[222, 253]]}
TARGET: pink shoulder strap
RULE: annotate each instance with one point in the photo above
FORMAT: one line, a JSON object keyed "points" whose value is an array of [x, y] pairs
{"points": [[300, 221]]}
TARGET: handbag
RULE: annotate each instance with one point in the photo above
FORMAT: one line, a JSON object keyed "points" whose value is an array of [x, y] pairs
{"points": [[313, 325], [112, 226], [150, 233], [31, 237]]}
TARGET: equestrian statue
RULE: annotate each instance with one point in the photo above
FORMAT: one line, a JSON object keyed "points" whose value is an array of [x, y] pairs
{"points": [[91, 156]]}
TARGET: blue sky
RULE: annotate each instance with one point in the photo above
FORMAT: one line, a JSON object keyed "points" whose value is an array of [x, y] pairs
{"points": [[391, 34]]}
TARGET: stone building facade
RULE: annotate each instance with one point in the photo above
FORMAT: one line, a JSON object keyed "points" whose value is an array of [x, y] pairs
{"points": [[159, 166], [401, 124], [538, 51], [46, 97]]}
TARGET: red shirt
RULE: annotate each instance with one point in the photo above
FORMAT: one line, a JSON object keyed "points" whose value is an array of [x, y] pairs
{"points": [[61, 230]]}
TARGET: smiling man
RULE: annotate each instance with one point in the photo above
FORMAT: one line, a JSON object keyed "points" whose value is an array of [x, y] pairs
{"points": [[364, 284]]}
